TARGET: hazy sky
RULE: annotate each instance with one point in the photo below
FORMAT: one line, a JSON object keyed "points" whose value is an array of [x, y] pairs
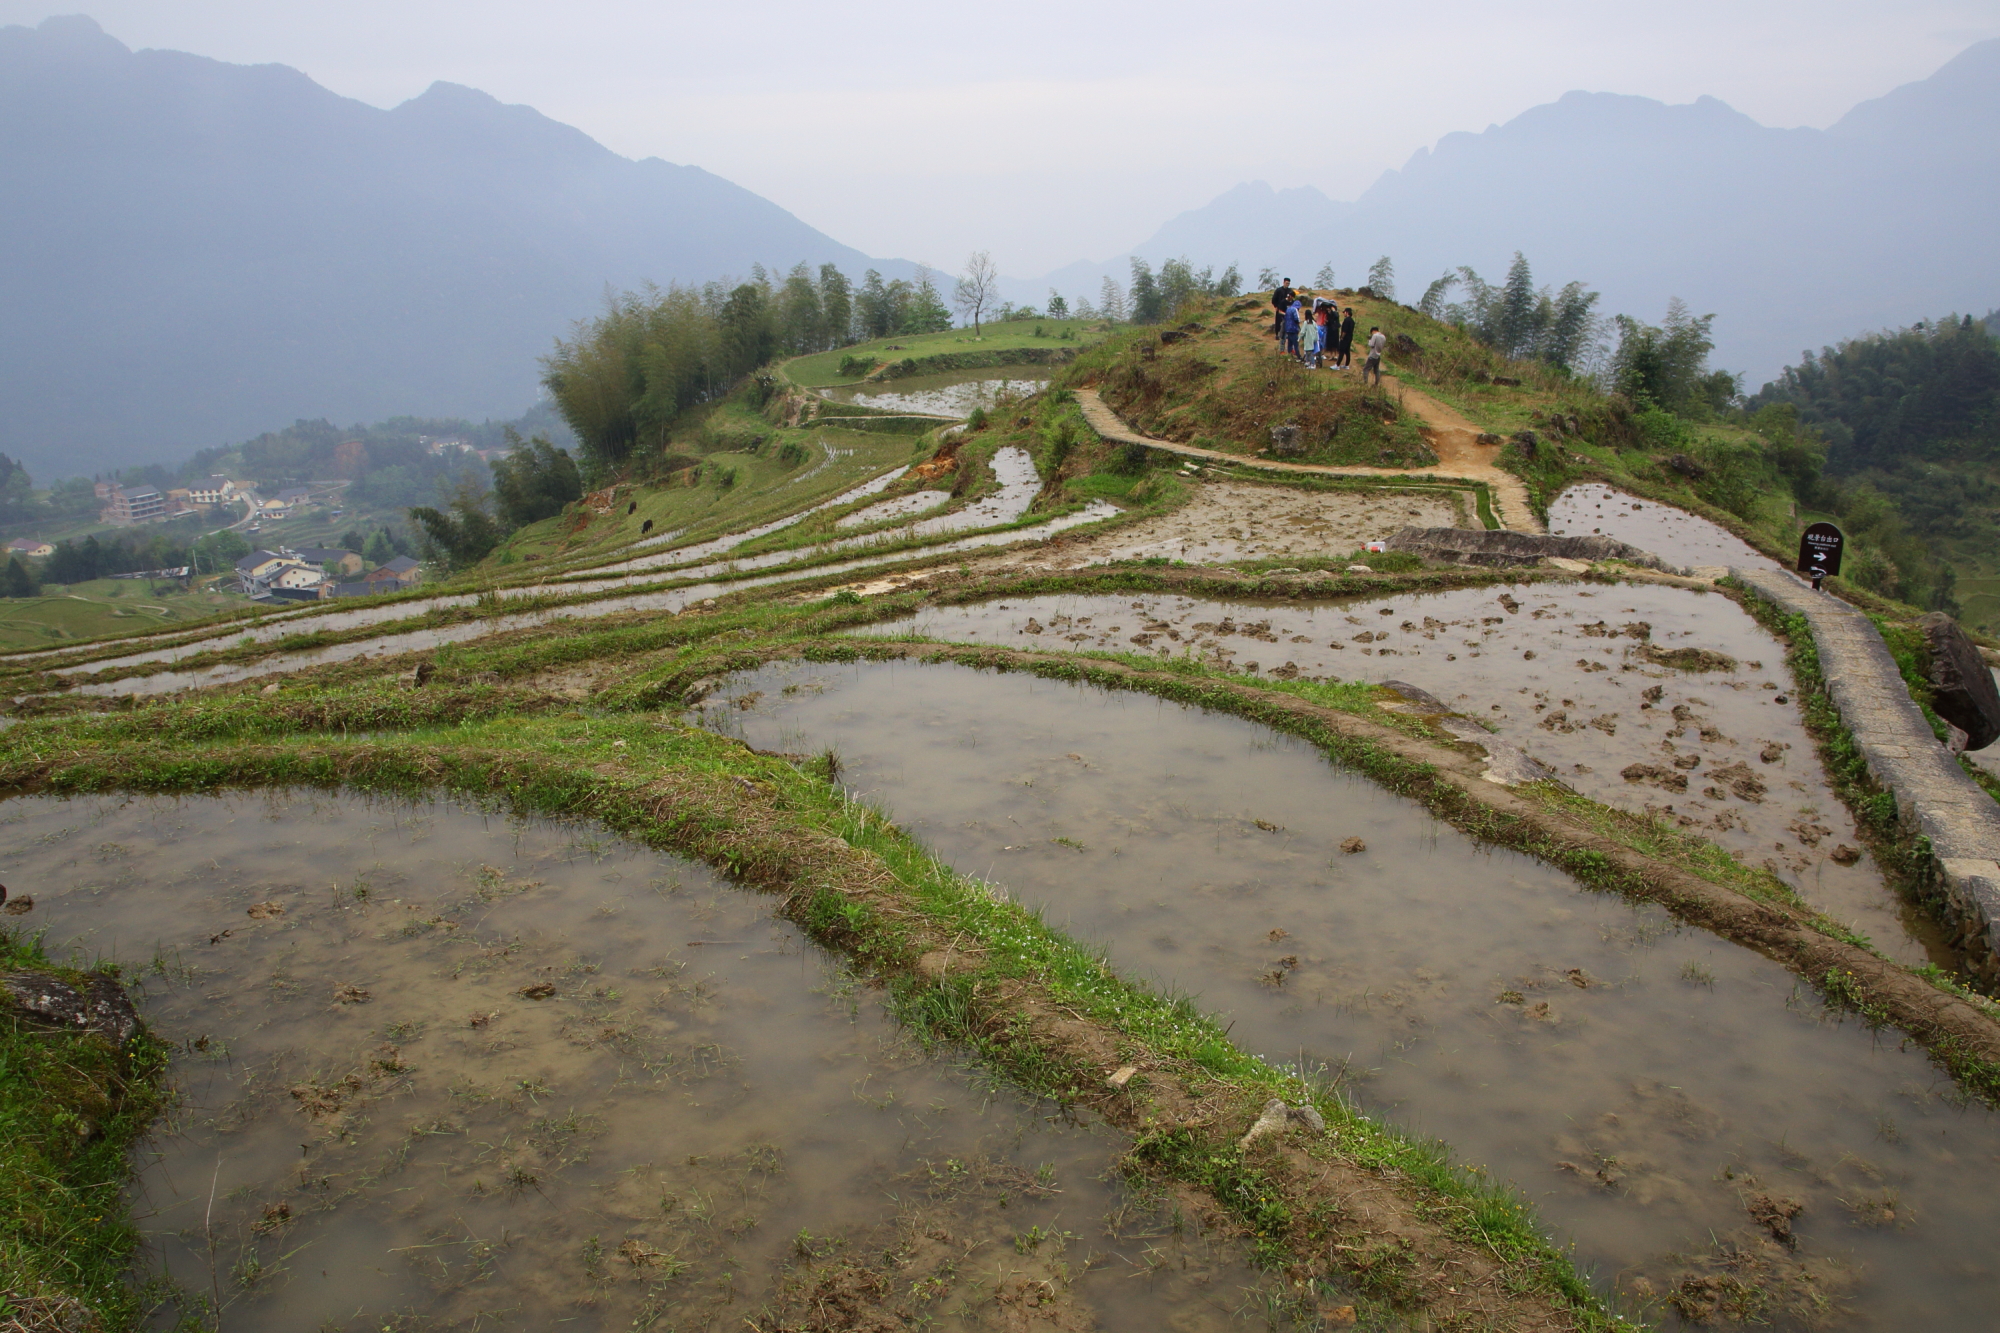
{"points": [[1051, 131]]}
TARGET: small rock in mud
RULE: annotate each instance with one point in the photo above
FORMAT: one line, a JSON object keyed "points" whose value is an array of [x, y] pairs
{"points": [[539, 990], [1507, 600], [1123, 1076], [265, 911], [1268, 826], [350, 994], [102, 1006], [1653, 773], [1771, 753], [1528, 656], [1352, 845], [480, 1020], [1279, 1118], [1775, 1216], [1653, 693], [1843, 855], [1579, 978], [19, 906], [1278, 934], [1687, 761]]}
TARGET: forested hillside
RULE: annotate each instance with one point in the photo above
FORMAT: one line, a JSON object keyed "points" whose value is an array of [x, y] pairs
{"points": [[1910, 421]]}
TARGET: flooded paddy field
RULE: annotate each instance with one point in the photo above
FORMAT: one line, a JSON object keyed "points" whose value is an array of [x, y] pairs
{"points": [[1707, 1134], [1674, 535], [439, 1070], [1646, 697], [957, 394]]}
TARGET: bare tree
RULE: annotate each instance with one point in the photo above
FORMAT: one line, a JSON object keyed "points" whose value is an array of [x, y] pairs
{"points": [[978, 287]]}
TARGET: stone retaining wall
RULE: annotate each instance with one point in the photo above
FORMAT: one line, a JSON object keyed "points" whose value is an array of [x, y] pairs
{"points": [[1934, 796]]}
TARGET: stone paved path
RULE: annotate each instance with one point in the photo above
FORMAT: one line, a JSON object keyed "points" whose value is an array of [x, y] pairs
{"points": [[1452, 436], [1934, 796]]}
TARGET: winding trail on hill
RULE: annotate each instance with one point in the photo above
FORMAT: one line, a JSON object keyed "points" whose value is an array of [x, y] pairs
{"points": [[1452, 437]]}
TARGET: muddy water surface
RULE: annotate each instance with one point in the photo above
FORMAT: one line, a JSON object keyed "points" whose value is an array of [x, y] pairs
{"points": [[953, 395], [1676, 536], [1655, 1090], [447, 1071], [1596, 682]]}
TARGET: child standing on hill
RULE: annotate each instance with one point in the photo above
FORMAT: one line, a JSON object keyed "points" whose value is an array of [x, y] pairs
{"points": [[1327, 315], [1309, 334]]}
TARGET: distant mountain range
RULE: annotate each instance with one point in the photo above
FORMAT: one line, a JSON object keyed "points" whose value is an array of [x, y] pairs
{"points": [[199, 251], [1795, 238]]}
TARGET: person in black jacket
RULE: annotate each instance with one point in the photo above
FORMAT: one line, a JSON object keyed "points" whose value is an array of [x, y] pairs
{"points": [[1346, 360], [1281, 301]]}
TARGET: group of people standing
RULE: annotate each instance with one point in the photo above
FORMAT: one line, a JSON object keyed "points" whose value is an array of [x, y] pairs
{"points": [[1323, 334]]}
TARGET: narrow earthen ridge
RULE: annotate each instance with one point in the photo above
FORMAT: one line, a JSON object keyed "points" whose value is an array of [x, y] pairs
{"points": [[1509, 496], [1934, 796]]}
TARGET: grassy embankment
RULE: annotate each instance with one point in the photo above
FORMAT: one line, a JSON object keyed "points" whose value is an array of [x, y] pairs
{"points": [[71, 1109]]}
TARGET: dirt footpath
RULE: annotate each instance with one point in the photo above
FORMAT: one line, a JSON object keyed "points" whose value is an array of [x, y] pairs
{"points": [[1451, 436]]}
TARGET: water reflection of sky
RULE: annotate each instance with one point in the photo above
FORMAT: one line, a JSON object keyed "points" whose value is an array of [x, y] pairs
{"points": [[939, 395]]}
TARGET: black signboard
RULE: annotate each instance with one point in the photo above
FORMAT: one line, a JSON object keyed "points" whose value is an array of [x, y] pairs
{"points": [[1819, 550]]}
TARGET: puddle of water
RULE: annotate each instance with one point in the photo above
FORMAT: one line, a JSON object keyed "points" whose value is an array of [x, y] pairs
{"points": [[396, 1132], [954, 395], [1643, 1083], [1560, 676], [1674, 535]]}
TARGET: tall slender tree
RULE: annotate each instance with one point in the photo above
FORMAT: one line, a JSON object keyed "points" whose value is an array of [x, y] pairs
{"points": [[836, 302], [1111, 300], [1382, 278], [978, 288]]}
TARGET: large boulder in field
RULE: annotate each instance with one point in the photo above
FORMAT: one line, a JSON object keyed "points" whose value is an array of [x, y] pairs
{"points": [[1498, 548], [1962, 687]]}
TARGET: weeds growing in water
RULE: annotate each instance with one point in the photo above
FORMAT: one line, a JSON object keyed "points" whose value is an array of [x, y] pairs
{"points": [[1700, 974]]}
